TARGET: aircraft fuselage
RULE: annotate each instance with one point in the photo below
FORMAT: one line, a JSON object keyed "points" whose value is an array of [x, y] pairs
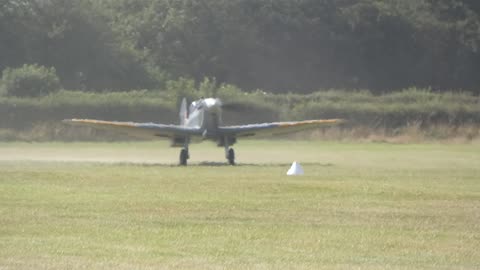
{"points": [[206, 114]]}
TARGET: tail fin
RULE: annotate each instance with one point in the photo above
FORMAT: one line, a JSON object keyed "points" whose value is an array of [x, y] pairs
{"points": [[183, 112]]}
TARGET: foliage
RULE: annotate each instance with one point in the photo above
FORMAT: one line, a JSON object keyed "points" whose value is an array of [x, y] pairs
{"points": [[280, 46], [391, 111], [72, 37], [182, 88], [30, 81]]}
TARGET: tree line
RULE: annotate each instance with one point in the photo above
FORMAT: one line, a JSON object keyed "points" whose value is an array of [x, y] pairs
{"points": [[277, 45]]}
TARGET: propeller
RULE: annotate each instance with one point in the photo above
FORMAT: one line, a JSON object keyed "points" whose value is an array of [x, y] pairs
{"points": [[235, 106]]}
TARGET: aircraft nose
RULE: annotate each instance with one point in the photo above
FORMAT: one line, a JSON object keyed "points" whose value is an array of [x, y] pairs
{"points": [[213, 103]]}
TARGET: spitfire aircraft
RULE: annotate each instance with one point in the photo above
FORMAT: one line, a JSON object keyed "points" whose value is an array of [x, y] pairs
{"points": [[202, 121]]}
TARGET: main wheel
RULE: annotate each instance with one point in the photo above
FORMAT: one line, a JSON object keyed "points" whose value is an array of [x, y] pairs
{"points": [[231, 156], [183, 157]]}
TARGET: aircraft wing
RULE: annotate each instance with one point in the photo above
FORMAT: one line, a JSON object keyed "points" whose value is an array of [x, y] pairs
{"points": [[276, 128], [142, 130]]}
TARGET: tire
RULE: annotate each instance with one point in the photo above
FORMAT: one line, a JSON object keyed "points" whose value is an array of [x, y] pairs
{"points": [[231, 156], [183, 157]]}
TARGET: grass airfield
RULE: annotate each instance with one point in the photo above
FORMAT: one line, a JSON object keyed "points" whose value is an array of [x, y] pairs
{"points": [[127, 206]]}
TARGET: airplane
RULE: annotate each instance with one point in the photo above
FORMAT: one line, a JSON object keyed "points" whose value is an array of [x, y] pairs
{"points": [[202, 121]]}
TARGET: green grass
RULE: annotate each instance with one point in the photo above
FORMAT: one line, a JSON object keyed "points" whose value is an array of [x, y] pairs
{"points": [[123, 206]]}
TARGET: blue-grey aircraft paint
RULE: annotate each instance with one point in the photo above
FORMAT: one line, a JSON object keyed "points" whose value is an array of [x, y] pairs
{"points": [[203, 121]]}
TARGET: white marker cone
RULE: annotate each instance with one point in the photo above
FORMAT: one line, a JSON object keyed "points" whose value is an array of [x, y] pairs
{"points": [[296, 169]]}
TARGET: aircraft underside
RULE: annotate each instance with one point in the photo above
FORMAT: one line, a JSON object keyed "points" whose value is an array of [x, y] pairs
{"points": [[221, 141]]}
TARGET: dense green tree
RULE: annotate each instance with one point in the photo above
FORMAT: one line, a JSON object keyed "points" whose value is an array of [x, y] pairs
{"points": [[70, 36], [29, 81], [277, 45]]}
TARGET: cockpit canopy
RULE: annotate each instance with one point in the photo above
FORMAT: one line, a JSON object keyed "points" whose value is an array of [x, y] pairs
{"points": [[196, 105]]}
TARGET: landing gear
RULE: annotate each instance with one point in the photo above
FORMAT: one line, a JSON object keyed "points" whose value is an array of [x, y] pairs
{"points": [[184, 156]]}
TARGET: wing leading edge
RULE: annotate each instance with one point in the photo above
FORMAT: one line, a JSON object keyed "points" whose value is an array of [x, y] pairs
{"points": [[142, 130], [276, 128]]}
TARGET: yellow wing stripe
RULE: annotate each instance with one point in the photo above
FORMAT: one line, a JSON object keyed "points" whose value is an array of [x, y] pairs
{"points": [[101, 122], [312, 122]]}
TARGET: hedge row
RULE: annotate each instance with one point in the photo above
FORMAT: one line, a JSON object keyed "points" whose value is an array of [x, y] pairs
{"points": [[420, 106]]}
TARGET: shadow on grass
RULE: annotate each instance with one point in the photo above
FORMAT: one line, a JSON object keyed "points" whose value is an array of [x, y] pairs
{"points": [[153, 164], [215, 164]]}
